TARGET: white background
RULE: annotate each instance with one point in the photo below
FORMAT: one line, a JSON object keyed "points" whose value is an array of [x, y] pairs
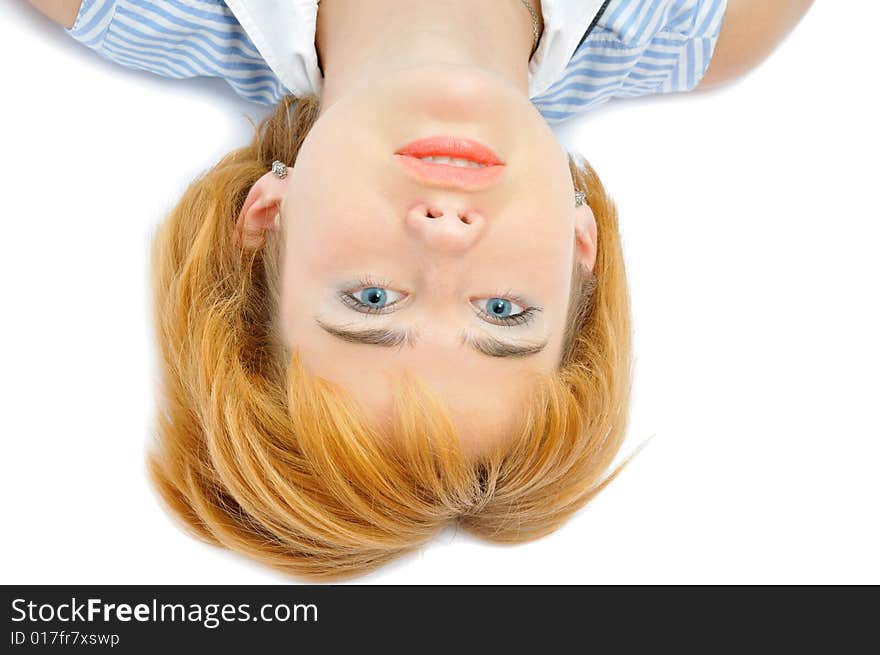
{"points": [[750, 222]]}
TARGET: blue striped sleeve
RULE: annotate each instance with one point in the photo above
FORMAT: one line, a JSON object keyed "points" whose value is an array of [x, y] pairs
{"points": [[178, 39], [92, 22], [638, 47]]}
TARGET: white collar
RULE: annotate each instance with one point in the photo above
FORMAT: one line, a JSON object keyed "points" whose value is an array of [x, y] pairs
{"points": [[283, 31], [565, 22]]}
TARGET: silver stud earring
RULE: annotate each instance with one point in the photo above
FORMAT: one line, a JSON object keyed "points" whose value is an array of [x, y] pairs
{"points": [[279, 170], [579, 198]]}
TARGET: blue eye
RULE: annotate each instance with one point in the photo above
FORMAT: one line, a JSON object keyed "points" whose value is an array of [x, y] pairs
{"points": [[369, 298], [372, 296], [502, 311], [499, 307]]}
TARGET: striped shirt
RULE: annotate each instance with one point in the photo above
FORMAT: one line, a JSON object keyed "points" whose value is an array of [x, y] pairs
{"points": [[632, 48]]}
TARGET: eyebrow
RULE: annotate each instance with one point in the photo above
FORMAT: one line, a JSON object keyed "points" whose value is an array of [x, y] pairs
{"points": [[369, 336], [493, 347], [391, 338]]}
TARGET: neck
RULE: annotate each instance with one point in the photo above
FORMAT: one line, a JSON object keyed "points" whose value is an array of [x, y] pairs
{"points": [[358, 40]]}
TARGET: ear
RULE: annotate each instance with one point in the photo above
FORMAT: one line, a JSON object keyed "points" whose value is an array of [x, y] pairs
{"points": [[585, 237], [261, 210]]}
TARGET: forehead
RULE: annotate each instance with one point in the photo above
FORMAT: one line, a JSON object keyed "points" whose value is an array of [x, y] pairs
{"points": [[485, 397]]}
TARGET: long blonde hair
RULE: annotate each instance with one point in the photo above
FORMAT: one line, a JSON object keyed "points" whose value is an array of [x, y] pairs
{"points": [[254, 454]]}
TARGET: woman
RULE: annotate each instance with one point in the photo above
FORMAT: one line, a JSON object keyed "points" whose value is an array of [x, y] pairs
{"points": [[430, 229]]}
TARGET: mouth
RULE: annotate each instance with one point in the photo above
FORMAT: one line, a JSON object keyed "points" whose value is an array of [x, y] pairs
{"points": [[450, 162]]}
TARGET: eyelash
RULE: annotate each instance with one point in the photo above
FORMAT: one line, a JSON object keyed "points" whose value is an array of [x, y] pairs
{"points": [[522, 318], [362, 283]]}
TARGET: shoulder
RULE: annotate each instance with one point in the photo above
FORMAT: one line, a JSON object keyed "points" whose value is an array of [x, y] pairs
{"points": [[637, 48], [63, 12], [751, 30]]}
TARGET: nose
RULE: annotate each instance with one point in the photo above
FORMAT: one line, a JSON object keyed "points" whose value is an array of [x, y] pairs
{"points": [[444, 227]]}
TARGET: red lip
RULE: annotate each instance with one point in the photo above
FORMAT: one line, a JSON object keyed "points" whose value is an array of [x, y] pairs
{"points": [[444, 175], [450, 146]]}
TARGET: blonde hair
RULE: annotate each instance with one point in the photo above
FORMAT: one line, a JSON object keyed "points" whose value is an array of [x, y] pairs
{"points": [[254, 454]]}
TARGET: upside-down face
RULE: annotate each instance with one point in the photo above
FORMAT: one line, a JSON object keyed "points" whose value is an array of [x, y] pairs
{"points": [[433, 234]]}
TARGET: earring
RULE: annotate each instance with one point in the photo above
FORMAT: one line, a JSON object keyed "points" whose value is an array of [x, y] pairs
{"points": [[579, 198], [279, 170]]}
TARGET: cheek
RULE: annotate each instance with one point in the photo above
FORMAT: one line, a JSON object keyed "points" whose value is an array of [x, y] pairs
{"points": [[331, 246], [544, 250], [332, 221]]}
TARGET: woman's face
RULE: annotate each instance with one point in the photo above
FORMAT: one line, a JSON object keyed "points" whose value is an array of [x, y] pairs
{"points": [[391, 268]]}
